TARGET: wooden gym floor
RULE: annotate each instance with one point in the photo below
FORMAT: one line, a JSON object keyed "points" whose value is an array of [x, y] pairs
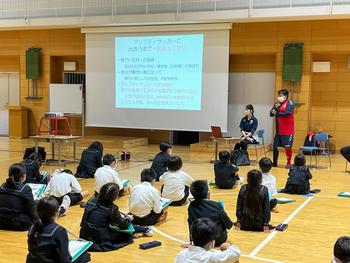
{"points": [[314, 222]]}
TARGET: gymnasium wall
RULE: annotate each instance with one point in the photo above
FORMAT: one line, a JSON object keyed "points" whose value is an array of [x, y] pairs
{"points": [[255, 47], [319, 38]]}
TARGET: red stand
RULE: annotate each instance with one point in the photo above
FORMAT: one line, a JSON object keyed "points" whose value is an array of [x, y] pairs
{"points": [[52, 126]]}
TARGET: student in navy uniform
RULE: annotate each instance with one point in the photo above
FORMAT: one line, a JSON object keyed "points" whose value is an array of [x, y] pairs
{"points": [[91, 159], [248, 126], [203, 207], [341, 250], [299, 176], [32, 165], [99, 214], [17, 208], [225, 172], [253, 205], [48, 241], [160, 161]]}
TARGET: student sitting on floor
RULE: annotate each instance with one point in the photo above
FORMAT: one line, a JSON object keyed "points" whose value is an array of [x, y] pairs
{"points": [[269, 181], [32, 165], [108, 174], [160, 161], [91, 159], [299, 176], [225, 172], [48, 241], [203, 233], [17, 208], [341, 250], [99, 214], [253, 205], [66, 189], [144, 203], [176, 182], [203, 207]]}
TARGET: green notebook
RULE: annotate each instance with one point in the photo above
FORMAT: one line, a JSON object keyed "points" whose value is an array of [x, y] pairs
{"points": [[221, 202], [37, 190], [165, 202], [344, 194], [125, 182], [283, 200], [130, 230], [78, 247]]}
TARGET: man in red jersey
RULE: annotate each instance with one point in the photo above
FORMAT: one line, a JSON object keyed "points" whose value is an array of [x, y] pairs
{"points": [[283, 109]]}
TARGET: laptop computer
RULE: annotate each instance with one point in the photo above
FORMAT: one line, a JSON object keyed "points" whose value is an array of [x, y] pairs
{"points": [[216, 132]]}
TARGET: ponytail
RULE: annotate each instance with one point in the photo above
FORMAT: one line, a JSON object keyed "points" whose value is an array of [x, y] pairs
{"points": [[46, 209], [16, 173], [35, 231]]}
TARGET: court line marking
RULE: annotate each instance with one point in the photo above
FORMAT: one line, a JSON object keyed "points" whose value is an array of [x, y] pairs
{"points": [[274, 232], [187, 242]]}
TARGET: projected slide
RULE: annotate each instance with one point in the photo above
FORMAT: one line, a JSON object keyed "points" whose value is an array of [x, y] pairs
{"points": [[159, 72]]}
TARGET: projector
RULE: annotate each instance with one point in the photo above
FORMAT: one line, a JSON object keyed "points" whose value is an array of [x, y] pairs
{"points": [[53, 114]]}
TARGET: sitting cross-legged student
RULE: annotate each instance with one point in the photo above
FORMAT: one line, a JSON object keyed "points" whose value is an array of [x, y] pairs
{"points": [[17, 207], [341, 250], [145, 204], [160, 161], [66, 189], [269, 181], [299, 176], [203, 233], [101, 213], [253, 205], [91, 160], [48, 241], [225, 172], [176, 182], [32, 165], [203, 207], [108, 174]]}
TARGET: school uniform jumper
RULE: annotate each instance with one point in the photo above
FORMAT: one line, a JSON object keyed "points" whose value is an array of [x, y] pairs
{"points": [[225, 174], [214, 211], [284, 136], [33, 175], [246, 218], [52, 247], [95, 227], [89, 162], [160, 163], [17, 208], [298, 180]]}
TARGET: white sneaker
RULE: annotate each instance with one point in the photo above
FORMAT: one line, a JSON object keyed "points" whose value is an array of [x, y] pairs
{"points": [[149, 233]]}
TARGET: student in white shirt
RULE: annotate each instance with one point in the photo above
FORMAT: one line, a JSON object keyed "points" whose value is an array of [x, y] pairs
{"points": [[145, 204], [65, 188], [107, 174], [269, 181], [203, 233], [176, 182]]}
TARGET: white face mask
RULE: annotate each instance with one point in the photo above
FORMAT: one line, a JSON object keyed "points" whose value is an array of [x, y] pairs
{"points": [[281, 98]]}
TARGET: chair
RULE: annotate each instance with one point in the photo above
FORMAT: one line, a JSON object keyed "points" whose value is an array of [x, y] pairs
{"points": [[323, 138], [260, 138]]}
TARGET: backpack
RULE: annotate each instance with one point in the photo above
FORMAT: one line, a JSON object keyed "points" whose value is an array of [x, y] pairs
{"points": [[240, 157], [309, 141]]}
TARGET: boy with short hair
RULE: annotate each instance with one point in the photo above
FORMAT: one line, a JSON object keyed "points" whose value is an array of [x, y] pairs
{"points": [[341, 250], [269, 181], [160, 161], [203, 207], [145, 204], [203, 232], [225, 172], [108, 174]]}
